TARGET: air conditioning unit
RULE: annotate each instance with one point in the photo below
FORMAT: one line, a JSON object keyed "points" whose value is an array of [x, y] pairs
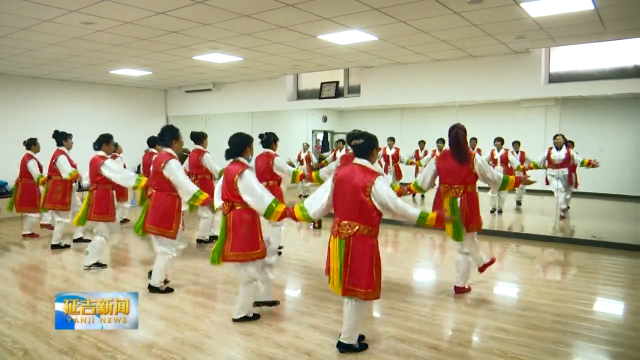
{"points": [[200, 88]]}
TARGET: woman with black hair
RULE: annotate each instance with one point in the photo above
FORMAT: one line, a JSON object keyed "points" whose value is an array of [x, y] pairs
{"points": [[558, 160], [61, 191], [440, 143], [473, 146], [99, 205], [162, 214], [270, 170], [244, 200], [122, 193], [307, 163], [503, 161], [203, 172], [25, 195], [359, 196], [335, 154], [459, 170], [145, 166]]}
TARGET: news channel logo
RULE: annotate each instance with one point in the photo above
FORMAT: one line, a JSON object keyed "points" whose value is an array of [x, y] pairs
{"points": [[96, 311]]}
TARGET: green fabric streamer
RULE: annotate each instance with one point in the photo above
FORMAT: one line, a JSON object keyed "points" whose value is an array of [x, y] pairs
{"points": [[220, 174], [193, 208], [44, 193], [458, 226], [139, 227], [216, 252], [12, 201], [143, 197], [422, 219], [81, 218], [341, 244]]}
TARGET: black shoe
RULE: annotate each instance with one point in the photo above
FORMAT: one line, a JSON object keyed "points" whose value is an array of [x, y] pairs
{"points": [[413, 196], [351, 348], [280, 247], [60, 246], [499, 211], [568, 207], [96, 266], [205, 241], [493, 211], [518, 203], [159, 290], [247, 318], [166, 281], [422, 196], [81, 240], [270, 303], [279, 253], [124, 221], [361, 338], [213, 238]]}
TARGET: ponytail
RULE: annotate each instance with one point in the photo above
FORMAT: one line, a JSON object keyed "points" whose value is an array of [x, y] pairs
{"points": [[458, 143]]}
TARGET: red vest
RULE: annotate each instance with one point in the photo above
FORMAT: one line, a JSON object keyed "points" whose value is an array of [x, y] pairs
{"points": [[573, 176], [269, 178], [417, 155], [305, 162], [458, 181], [147, 158], [53, 169], [200, 174], [122, 193], [27, 192], [58, 190], [347, 158], [357, 223], [101, 205], [164, 211], [477, 150], [564, 164], [507, 169], [243, 240], [522, 158], [395, 162]]}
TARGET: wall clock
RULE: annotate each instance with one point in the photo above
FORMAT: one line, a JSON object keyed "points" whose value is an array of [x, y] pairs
{"points": [[328, 90]]}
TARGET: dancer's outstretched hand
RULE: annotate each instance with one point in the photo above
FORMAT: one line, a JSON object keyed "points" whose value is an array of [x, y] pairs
{"points": [[596, 164], [291, 214], [527, 181]]}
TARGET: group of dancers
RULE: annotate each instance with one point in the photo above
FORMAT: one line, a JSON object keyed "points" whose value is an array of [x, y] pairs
{"points": [[354, 185]]}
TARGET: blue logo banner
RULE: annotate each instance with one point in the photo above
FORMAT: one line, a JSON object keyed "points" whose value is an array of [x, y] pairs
{"points": [[96, 311]]}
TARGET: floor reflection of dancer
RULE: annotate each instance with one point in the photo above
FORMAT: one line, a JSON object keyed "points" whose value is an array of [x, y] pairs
{"points": [[26, 190], [162, 214], [244, 200], [359, 195], [419, 155], [270, 170], [503, 162], [99, 205], [521, 159], [203, 171], [391, 159], [122, 193], [459, 170], [306, 161], [557, 161], [61, 192]]}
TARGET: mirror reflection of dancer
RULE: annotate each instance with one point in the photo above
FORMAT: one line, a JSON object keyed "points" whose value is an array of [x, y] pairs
{"points": [[335, 154], [270, 170], [122, 193], [557, 161], [145, 167], [473, 145], [25, 195], [203, 172], [359, 194], [306, 161], [502, 161], [420, 156], [522, 159], [61, 192], [391, 159], [459, 170], [162, 214], [244, 200], [99, 204]]}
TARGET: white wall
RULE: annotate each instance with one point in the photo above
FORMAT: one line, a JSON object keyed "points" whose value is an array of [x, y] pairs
{"points": [[497, 78], [36, 107]]}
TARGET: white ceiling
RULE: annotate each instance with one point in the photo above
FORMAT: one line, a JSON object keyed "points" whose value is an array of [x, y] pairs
{"points": [[45, 38]]}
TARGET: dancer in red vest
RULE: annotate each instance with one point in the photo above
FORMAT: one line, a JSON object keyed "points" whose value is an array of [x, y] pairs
{"points": [[271, 170], [459, 170], [335, 154], [145, 167], [162, 214], [203, 172], [61, 191], [244, 199], [573, 170], [306, 162], [440, 143], [25, 195], [419, 156], [501, 160], [391, 159], [99, 204], [558, 160], [122, 193], [523, 160], [358, 195], [473, 146]]}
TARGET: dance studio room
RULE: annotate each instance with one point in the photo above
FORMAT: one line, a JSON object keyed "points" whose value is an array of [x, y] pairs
{"points": [[315, 179]]}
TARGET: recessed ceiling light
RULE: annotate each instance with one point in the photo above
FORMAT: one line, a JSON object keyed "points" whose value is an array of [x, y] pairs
{"points": [[348, 37], [217, 58], [130, 72], [88, 23], [520, 37], [538, 8]]}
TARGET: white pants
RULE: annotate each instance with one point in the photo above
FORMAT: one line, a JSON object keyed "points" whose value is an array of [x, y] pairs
{"points": [[122, 210], [166, 252], [47, 218], [521, 189], [62, 218], [209, 222], [353, 314], [469, 250], [252, 279], [560, 185], [497, 199], [28, 221], [95, 250]]}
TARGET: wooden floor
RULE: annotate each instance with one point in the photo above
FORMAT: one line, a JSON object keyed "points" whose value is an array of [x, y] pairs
{"points": [[537, 302]]}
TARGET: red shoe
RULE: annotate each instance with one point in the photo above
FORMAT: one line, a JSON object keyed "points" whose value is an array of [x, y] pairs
{"points": [[461, 289], [486, 265], [30, 235], [47, 227]]}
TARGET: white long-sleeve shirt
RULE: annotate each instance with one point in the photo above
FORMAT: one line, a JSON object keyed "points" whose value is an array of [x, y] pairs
{"points": [[32, 166], [115, 172], [431, 156], [303, 156], [175, 173], [558, 156], [327, 172], [513, 160], [390, 153], [384, 198], [63, 165], [207, 161], [250, 189], [119, 160], [281, 167]]}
